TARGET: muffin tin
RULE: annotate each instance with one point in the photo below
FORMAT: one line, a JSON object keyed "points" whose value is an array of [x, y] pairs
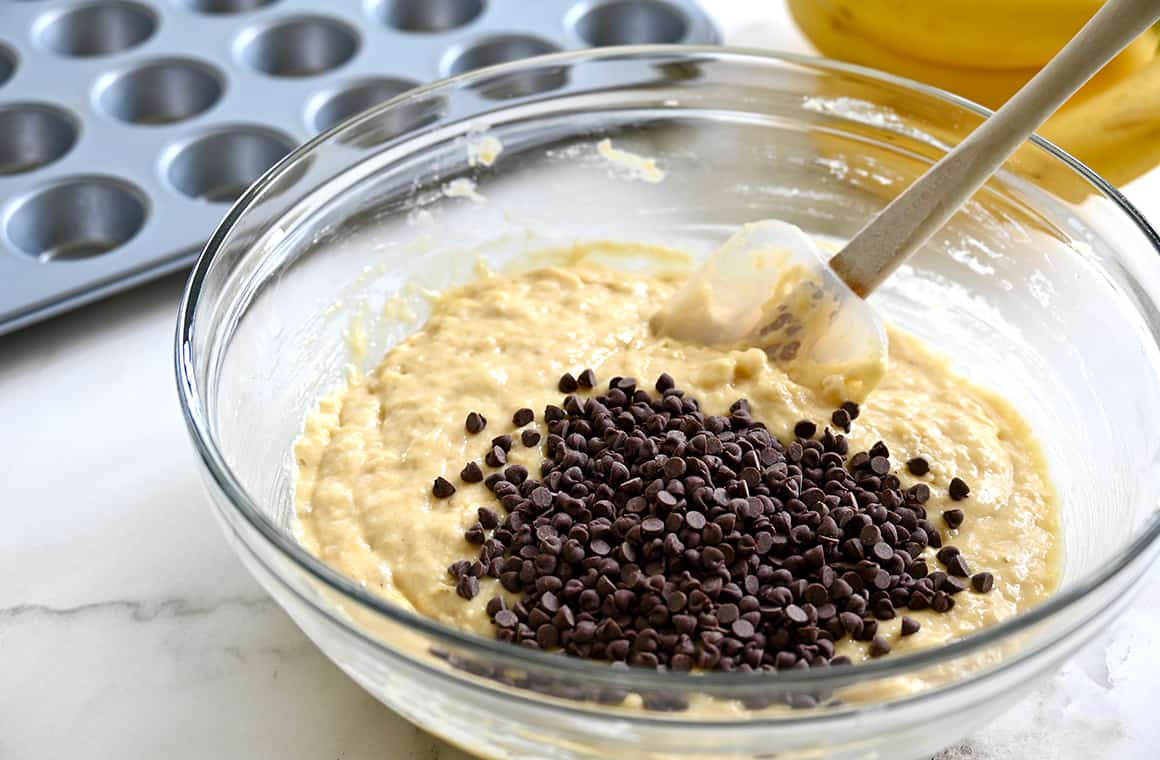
{"points": [[128, 126]]}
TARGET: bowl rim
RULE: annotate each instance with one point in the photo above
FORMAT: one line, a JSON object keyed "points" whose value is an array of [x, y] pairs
{"points": [[1141, 550]]}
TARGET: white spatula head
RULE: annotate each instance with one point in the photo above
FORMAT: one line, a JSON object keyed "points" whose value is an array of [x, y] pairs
{"points": [[770, 286]]}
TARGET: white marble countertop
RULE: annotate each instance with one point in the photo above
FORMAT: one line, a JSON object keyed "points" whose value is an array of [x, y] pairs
{"points": [[129, 630]]}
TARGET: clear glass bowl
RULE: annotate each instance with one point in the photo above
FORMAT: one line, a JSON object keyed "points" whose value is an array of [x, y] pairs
{"points": [[1044, 289]]}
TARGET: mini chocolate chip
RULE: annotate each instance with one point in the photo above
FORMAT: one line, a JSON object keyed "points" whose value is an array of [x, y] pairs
{"points": [[475, 534], [945, 554], [918, 466], [467, 586], [497, 457], [958, 490], [796, 615], [942, 602], [547, 636], [851, 409], [665, 382], [958, 566], [523, 417], [841, 419], [983, 582], [879, 646], [471, 473], [488, 518], [586, 379], [884, 609], [495, 605], [442, 488], [568, 383], [953, 518], [530, 438], [919, 493], [910, 626], [805, 429], [475, 422], [742, 628]]}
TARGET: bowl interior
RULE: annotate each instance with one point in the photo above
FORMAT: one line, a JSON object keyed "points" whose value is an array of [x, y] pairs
{"points": [[1041, 289]]}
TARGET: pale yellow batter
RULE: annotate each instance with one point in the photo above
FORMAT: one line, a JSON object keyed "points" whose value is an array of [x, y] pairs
{"points": [[367, 457]]}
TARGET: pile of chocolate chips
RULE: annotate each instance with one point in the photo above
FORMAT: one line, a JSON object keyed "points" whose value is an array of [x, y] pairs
{"points": [[659, 536]]}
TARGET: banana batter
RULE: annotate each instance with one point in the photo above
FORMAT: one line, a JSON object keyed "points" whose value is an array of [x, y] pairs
{"points": [[367, 457]]}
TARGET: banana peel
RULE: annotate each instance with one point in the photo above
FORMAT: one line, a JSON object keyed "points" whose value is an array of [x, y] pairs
{"points": [[1112, 124], [1116, 132], [1138, 55], [987, 34], [835, 36]]}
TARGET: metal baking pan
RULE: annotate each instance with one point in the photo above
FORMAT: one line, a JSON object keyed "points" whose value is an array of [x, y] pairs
{"points": [[128, 126]]}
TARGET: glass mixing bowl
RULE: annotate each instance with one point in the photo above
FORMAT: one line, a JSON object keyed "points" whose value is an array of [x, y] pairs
{"points": [[1044, 289]]}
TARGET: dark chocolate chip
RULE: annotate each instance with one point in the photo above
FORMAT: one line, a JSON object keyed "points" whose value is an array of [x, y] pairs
{"points": [[958, 490], [983, 582], [442, 488], [586, 379], [471, 473], [497, 457], [568, 383], [958, 566], [910, 626], [475, 534], [953, 518], [523, 417], [918, 466], [805, 429], [467, 586], [945, 554], [475, 422], [879, 646]]}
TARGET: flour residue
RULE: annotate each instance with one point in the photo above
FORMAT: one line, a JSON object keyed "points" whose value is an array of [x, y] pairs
{"points": [[637, 166], [463, 187], [483, 149]]}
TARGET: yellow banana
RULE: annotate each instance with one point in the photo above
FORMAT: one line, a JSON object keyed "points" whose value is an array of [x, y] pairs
{"points": [[1112, 124], [1116, 132], [835, 37], [1010, 34], [1133, 58]]}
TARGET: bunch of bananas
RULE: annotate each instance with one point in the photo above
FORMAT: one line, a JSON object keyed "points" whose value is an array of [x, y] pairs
{"points": [[985, 50]]}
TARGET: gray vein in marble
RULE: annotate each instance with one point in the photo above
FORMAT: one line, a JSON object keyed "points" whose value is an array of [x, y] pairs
{"points": [[141, 611]]}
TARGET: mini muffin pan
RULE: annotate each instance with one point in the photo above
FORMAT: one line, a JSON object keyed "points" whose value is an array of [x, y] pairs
{"points": [[128, 126]]}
